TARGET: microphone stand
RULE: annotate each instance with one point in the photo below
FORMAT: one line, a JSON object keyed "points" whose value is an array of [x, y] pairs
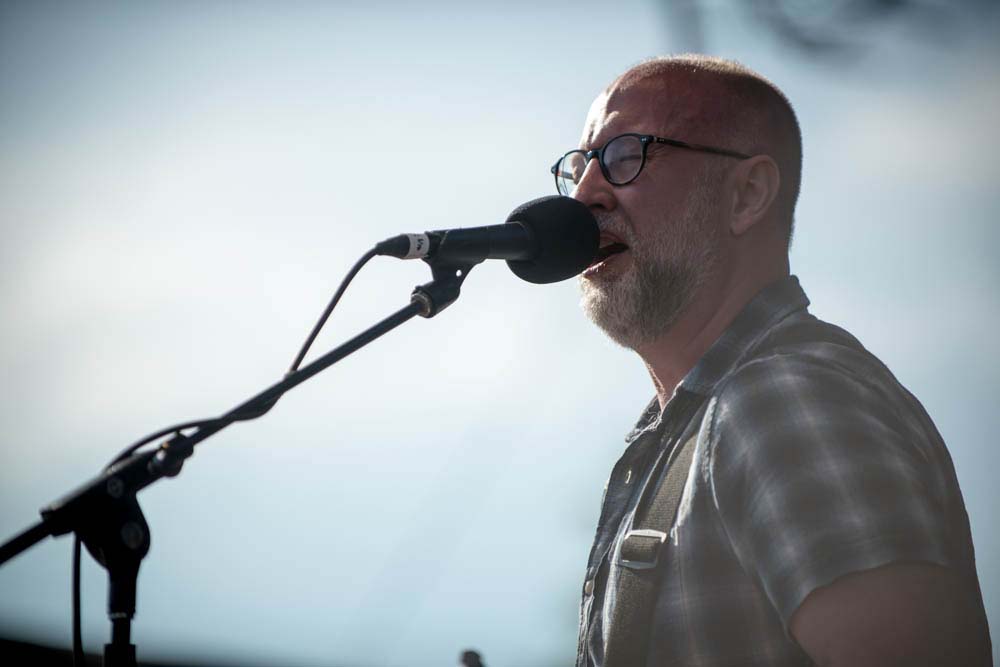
{"points": [[104, 511]]}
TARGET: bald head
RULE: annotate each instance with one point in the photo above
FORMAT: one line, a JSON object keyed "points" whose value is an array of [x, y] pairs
{"points": [[723, 103]]}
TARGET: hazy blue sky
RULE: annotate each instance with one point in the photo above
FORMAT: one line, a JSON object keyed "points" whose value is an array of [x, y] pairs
{"points": [[183, 185]]}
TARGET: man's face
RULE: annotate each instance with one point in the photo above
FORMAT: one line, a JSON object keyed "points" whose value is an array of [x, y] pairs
{"points": [[668, 218]]}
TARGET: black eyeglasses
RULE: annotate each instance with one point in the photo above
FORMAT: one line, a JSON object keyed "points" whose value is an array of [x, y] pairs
{"points": [[621, 159]]}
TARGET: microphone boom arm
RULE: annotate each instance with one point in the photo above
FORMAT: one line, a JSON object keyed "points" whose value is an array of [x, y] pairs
{"points": [[104, 512]]}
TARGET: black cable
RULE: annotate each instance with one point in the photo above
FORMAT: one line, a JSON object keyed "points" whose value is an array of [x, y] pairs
{"points": [[78, 659], [262, 407], [329, 309], [128, 451], [252, 414]]}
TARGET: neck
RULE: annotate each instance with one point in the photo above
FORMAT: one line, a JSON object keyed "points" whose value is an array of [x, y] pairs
{"points": [[716, 304]]}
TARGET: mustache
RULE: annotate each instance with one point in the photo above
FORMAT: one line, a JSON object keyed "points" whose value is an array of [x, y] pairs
{"points": [[611, 224]]}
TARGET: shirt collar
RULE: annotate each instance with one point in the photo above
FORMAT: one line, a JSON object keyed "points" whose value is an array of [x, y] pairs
{"points": [[771, 305]]}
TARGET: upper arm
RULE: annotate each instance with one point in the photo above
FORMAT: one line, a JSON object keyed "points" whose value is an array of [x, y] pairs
{"points": [[909, 614]]}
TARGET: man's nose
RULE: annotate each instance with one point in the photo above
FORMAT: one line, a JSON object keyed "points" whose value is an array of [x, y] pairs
{"points": [[593, 189]]}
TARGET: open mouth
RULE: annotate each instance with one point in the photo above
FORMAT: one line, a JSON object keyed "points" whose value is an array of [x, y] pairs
{"points": [[609, 247]]}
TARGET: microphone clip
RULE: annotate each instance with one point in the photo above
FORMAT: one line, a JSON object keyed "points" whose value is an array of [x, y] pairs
{"points": [[443, 290]]}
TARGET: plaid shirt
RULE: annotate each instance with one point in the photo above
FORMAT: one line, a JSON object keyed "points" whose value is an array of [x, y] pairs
{"points": [[811, 462]]}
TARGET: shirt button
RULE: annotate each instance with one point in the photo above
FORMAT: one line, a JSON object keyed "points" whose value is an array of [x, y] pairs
{"points": [[588, 587]]}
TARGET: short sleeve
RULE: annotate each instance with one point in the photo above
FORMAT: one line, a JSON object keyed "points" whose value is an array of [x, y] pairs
{"points": [[818, 471]]}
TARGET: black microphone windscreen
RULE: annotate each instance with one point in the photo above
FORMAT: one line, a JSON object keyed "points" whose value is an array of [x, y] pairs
{"points": [[566, 234]]}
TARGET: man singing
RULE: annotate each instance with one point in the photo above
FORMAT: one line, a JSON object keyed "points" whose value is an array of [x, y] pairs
{"points": [[782, 500]]}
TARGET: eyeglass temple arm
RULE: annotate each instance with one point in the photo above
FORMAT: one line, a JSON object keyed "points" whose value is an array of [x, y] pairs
{"points": [[700, 147]]}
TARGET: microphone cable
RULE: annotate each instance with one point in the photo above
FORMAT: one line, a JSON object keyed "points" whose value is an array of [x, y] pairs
{"points": [[329, 309], [78, 655]]}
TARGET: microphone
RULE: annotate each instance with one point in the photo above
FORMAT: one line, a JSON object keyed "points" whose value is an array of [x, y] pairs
{"points": [[544, 241]]}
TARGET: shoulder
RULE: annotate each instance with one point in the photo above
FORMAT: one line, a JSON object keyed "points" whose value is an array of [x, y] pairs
{"points": [[811, 402], [808, 376], [803, 352]]}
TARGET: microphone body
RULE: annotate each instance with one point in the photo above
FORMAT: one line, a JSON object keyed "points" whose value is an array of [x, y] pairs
{"points": [[544, 241], [465, 244]]}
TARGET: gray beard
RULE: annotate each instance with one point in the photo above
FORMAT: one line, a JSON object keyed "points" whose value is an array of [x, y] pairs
{"points": [[642, 304]]}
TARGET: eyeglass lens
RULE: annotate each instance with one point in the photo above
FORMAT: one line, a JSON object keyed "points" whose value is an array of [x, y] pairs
{"points": [[621, 158]]}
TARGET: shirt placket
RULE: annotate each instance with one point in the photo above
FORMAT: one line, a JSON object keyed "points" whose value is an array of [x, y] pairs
{"points": [[617, 499]]}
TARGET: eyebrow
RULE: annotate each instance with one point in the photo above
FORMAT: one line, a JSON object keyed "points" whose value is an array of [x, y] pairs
{"points": [[606, 121]]}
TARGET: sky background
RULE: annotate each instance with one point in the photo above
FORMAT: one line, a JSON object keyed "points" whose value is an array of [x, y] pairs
{"points": [[183, 186]]}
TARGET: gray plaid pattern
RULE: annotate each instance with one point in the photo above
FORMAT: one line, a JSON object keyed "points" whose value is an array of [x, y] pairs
{"points": [[811, 462]]}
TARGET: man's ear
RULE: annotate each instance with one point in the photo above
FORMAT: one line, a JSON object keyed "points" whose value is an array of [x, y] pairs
{"points": [[755, 185]]}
